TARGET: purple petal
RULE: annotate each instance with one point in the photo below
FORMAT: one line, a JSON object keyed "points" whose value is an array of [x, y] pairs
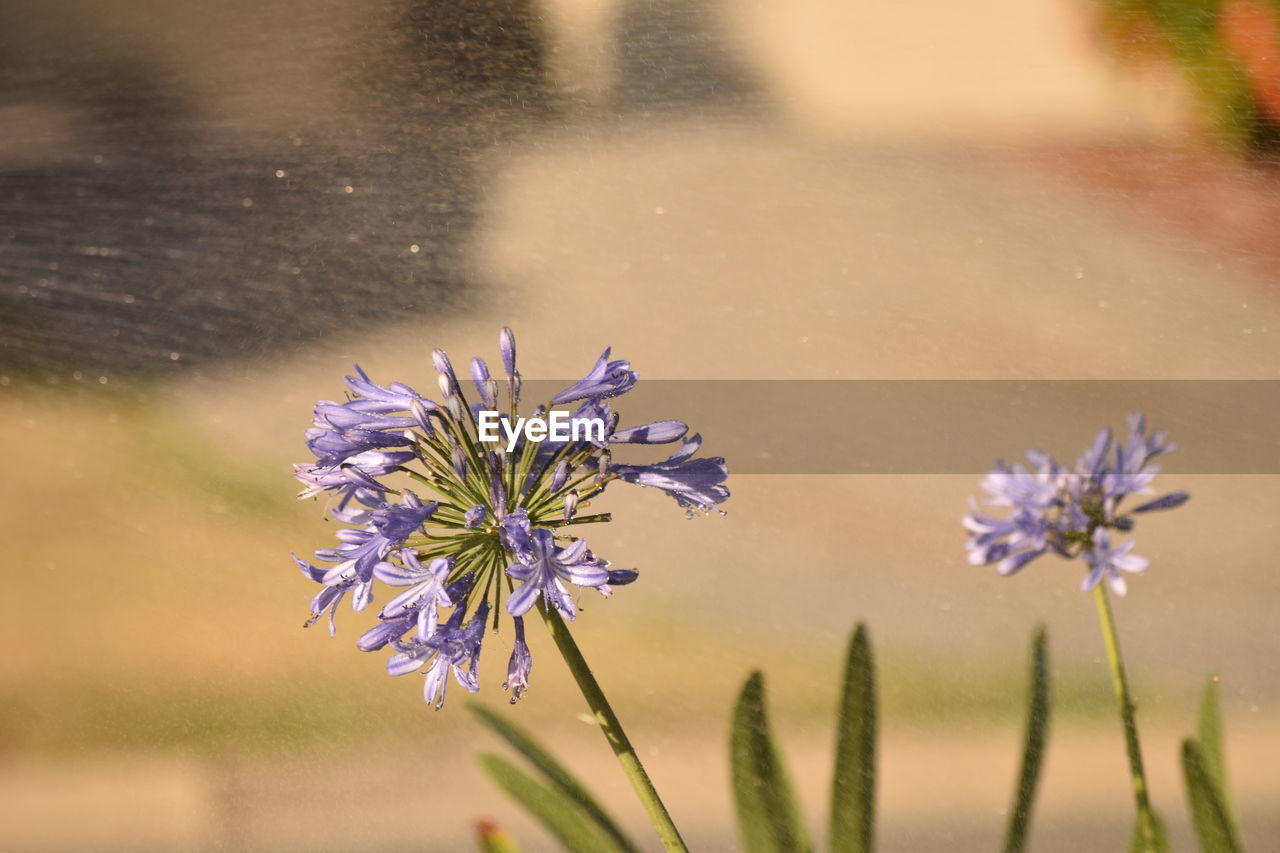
{"points": [[659, 432], [507, 343], [406, 662], [1169, 501], [525, 596], [573, 551], [1010, 565]]}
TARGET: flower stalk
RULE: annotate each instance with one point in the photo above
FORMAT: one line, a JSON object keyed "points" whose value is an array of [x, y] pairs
{"points": [[1120, 685], [668, 834]]}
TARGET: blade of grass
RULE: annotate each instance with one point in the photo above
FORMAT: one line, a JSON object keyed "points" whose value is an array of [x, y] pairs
{"points": [[553, 770], [1208, 813], [768, 816], [853, 786], [1209, 739], [561, 816], [1033, 746]]}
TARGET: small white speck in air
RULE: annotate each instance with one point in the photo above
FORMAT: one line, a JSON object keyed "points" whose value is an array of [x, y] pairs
{"points": [[174, 356], [97, 158], [129, 299], [415, 248], [102, 380], [280, 173], [659, 211], [348, 189], [246, 202], [77, 375], [4, 380]]}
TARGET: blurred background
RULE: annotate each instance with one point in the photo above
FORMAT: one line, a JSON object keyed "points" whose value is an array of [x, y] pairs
{"points": [[208, 211]]}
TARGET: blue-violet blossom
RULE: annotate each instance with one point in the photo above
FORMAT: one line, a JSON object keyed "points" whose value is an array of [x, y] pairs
{"points": [[490, 534], [1072, 512]]}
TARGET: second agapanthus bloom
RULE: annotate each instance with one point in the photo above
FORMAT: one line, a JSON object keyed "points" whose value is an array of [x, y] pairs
{"points": [[1072, 512]]}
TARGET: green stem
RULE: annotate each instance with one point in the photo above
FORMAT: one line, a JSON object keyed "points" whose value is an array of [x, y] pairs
{"points": [[1120, 684], [608, 721]]}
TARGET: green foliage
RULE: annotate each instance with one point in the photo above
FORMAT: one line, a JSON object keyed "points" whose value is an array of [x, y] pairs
{"points": [[553, 770], [1205, 774], [563, 783], [1033, 745], [1208, 811], [853, 785], [563, 817], [1209, 737], [768, 815]]}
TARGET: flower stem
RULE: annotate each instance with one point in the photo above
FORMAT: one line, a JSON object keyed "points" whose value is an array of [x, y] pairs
{"points": [[1120, 684], [622, 748]]}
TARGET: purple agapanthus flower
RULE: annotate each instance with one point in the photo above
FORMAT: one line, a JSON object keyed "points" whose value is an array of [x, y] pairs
{"points": [[545, 571], [453, 646], [695, 483], [358, 473], [520, 665], [1071, 512], [360, 550], [492, 537], [1108, 562], [606, 379], [426, 594]]}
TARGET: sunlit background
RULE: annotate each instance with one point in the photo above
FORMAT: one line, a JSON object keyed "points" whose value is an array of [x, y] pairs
{"points": [[208, 211]]}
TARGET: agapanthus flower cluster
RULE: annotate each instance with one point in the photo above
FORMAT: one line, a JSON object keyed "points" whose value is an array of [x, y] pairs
{"points": [[1072, 512], [463, 529]]}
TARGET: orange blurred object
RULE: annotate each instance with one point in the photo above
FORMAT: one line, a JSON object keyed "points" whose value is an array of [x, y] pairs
{"points": [[1249, 29]]}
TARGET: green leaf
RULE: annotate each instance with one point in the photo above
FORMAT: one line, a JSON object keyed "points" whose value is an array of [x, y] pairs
{"points": [[555, 772], [853, 787], [1208, 812], [562, 817], [493, 839], [1033, 746], [1209, 739], [1138, 844], [768, 817]]}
